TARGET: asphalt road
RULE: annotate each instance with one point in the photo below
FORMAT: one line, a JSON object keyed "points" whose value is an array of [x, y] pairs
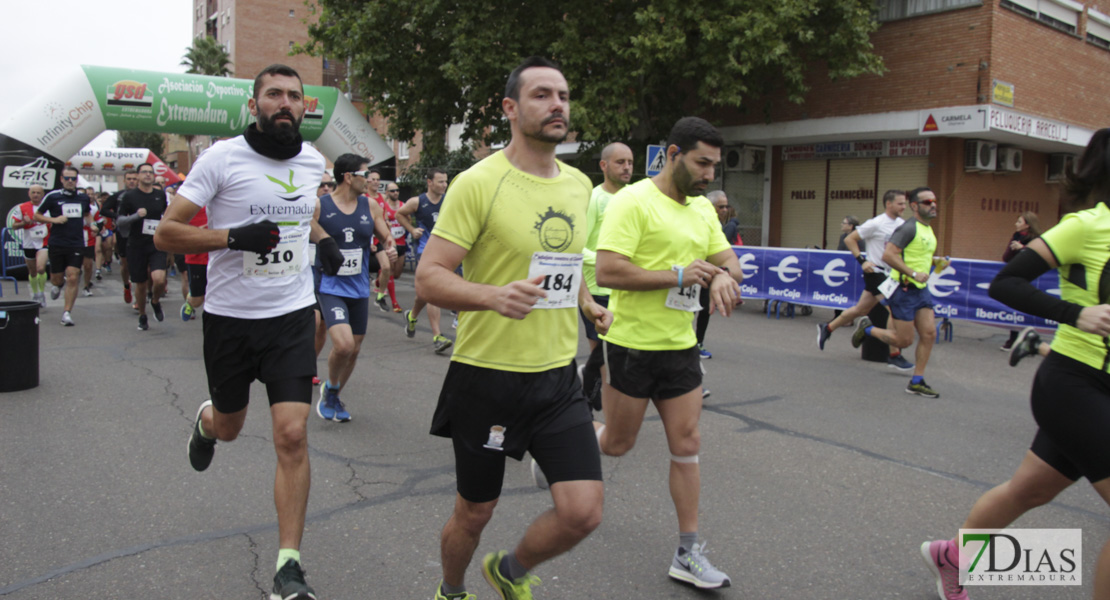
{"points": [[820, 475]]}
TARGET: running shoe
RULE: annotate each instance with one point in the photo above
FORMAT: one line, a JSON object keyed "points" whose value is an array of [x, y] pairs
{"points": [[143, 323], [703, 352], [441, 344], [410, 324], [127, 294], [55, 291], [938, 555], [188, 313], [88, 291], [289, 583], [520, 589], [341, 414], [693, 567], [455, 321], [921, 389], [1026, 345], [538, 477], [97, 274], [463, 596], [823, 335], [397, 308], [383, 305], [860, 332], [108, 268], [315, 380], [325, 407], [1007, 345], [41, 297], [67, 320], [900, 363], [201, 448], [705, 393], [158, 314]]}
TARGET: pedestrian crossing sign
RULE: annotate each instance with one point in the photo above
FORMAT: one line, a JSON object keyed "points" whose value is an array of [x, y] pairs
{"points": [[656, 158]]}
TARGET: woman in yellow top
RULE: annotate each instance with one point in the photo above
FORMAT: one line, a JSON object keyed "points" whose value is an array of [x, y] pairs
{"points": [[1071, 392]]}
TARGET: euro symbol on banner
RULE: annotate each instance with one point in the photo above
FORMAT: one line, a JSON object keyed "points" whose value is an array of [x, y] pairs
{"points": [[748, 266], [831, 271], [937, 283], [784, 269]]}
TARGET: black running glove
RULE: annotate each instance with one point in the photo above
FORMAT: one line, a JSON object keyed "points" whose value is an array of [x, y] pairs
{"points": [[256, 237], [330, 256]]}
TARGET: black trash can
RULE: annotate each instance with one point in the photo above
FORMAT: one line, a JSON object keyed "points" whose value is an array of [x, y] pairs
{"points": [[19, 346], [874, 349]]}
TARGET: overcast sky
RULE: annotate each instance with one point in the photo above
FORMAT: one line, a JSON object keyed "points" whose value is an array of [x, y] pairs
{"points": [[38, 37]]}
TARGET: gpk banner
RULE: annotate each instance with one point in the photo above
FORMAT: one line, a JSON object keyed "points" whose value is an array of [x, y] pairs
{"points": [[833, 279]]}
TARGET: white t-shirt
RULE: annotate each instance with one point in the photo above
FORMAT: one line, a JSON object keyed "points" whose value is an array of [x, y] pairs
{"points": [[874, 233], [238, 187]]}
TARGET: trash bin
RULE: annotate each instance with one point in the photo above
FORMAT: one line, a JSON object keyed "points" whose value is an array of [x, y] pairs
{"points": [[873, 349], [19, 346]]}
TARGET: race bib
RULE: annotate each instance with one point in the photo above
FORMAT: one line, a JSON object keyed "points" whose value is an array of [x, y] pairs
{"points": [[287, 258], [149, 225], [887, 287], [352, 262], [397, 232], [311, 254], [560, 278], [71, 211], [37, 233], [684, 298]]}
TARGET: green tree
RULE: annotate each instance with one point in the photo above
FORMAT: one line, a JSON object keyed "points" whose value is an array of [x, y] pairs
{"points": [[141, 139], [207, 57], [412, 175], [633, 67]]}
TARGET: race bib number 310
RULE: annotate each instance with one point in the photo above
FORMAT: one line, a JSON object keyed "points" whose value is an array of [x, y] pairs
{"points": [[561, 278], [287, 258]]}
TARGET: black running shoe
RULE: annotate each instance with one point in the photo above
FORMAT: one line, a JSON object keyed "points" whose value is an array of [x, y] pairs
{"points": [[823, 335], [201, 448], [1026, 344], [158, 314], [383, 304], [289, 583], [143, 325]]}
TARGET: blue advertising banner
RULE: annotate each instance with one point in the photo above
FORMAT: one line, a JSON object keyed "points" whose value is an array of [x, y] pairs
{"points": [[833, 279]]}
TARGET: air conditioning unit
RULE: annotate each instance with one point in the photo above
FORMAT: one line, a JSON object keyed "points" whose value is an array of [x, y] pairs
{"points": [[1059, 165], [745, 160], [980, 155], [1009, 159]]}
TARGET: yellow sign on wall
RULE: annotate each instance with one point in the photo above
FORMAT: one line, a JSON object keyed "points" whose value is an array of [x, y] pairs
{"points": [[1002, 93]]}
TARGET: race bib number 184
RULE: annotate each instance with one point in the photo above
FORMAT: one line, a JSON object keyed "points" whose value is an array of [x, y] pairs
{"points": [[561, 278]]}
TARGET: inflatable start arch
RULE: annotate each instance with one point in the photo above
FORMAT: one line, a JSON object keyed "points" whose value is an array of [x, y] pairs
{"points": [[38, 140]]}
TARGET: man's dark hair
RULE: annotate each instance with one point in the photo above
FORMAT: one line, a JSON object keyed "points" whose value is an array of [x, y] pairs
{"points": [[1092, 172], [688, 131], [347, 163], [134, 171], [890, 195], [432, 172], [71, 169], [912, 194], [512, 87], [139, 168], [275, 69]]}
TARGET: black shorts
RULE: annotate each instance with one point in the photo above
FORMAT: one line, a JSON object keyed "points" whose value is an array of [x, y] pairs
{"points": [[490, 414], [872, 281], [63, 257], [340, 310], [179, 262], [88, 252], [591, 331], [238, 351], [1071, 404], [198, 280], [374, 264], [32, 253], [121, 246], [654, 374], [141, 256], [401, 250]]}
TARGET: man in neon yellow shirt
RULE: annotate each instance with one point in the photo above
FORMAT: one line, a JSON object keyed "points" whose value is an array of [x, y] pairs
{"points": [[616, 166], [661, 242], [515, 222], [909, 254]]}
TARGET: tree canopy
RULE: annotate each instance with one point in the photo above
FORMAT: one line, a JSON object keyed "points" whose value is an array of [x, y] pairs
{"points": [[141, 139], [207, 57], [633, 67]]}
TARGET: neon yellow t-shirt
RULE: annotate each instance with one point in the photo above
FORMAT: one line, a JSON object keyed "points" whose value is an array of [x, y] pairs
{"points": [[1081, 245], [918, 243], [502, 216], [656, 233], [595, 214]]}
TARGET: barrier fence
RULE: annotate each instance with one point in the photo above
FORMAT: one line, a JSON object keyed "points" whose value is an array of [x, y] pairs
{"points": [[833, 279]]}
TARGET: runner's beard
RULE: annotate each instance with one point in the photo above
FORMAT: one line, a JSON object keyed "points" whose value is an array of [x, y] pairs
{"points": [[282, 132]]}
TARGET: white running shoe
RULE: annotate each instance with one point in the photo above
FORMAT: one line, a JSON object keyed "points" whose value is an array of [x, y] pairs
{"points": [[693, 567]]}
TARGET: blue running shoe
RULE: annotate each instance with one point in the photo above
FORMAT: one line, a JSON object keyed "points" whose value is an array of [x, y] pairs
{"points": [[324, 407]]}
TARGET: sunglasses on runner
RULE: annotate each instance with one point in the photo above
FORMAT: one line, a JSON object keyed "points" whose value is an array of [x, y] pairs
{"points": [[68, 178]]}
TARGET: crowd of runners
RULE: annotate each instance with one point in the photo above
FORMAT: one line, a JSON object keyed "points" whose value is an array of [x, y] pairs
{"points": [[521, 247]]}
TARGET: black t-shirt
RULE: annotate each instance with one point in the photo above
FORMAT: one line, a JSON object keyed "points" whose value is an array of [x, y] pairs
{"points": [[131, 201], [70, 234]]}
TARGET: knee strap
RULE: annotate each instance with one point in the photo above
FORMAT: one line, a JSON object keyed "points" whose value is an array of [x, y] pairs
{"points": [[685, 459]]}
